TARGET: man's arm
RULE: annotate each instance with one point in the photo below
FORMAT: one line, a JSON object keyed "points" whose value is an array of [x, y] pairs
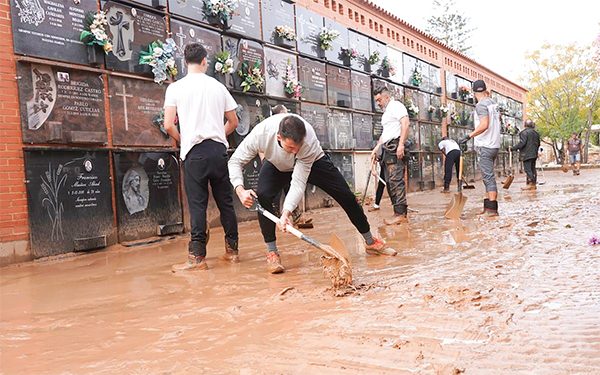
{"points": [[169, 123], [521, 144], [232, 122], [405, 126], [484, 123]]}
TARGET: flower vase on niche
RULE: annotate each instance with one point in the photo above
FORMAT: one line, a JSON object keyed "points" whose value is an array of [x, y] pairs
{"points": [[470, 100], [218, 22], [284, 36], [95, 55], [438, 90], [385, 72], [159, 4], [285, 43], [454, 95]]}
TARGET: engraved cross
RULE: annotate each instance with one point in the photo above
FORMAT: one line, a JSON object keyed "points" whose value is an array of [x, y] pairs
{"points": [[125, 95]]}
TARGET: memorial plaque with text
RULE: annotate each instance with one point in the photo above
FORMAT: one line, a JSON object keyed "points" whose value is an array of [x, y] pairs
{"points": [[338, 87], [276, 13], [381, 49], [415, 183], [339, 44], [397, 92], [250, 52], [396, 65], [361, 44], [339, 129], [250, 111], [247, 23], [377, 128], [192, 9], [409, 65], [312, 77], [344, 161], [250, 172], [361, 91], [276, 62], [69, 201], [50, 29], [362, 131], [316, 115], [60, 105], [131, 30], [308, 28], [231, 45], [184, 33], [436, 102], [147, 194], [427, 171], [133, 105], [423, 103]]}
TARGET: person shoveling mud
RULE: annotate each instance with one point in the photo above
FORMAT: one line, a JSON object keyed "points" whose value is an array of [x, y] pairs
{"points": [[293, 155]]}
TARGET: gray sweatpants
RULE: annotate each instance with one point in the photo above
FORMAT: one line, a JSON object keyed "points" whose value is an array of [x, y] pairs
{"points": [[487, 158]]}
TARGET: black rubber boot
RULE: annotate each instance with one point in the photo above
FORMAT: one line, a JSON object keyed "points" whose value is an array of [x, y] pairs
{"points": [[490, 208]]}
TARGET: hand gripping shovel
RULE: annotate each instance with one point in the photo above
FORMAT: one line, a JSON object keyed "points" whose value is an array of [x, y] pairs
{"points": [[458, 200], [510, 178], [336, 264]]}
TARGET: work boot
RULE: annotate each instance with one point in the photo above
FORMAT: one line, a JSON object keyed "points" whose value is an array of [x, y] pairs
{"points": [[397, 219], [194, 263], [373, 208], [379, 248], [529, 186], [577, 172], [274, 263], [446, 189], [490, 208], [231, 253]]}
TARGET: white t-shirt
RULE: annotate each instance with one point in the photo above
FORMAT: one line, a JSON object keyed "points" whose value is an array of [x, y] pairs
{"points": [[448, 145], [491, 137], [201, 103], [391, 120]]}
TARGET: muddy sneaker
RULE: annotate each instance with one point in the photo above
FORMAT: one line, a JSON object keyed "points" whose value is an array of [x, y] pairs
{"points": [[396, 220], [274, 263], [193, 264], [529, 187], [231, 257], [373, 208], [379, 248]]}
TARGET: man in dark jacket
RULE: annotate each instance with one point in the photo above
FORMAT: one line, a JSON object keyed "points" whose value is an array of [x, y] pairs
{"points": [[528, 145]]}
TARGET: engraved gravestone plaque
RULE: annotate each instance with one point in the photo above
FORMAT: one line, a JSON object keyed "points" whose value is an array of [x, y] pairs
{"points": [[316, 115], [361, 91], [308, 28], [247, 22], [338, 87], [361, 44], [339, 44], [362, 130], [312, 76], [344, 161], [184, 33], [276, 13], [276, 62], [340, 129]]}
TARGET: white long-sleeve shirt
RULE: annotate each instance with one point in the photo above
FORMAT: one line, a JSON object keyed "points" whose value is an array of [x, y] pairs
{"points": [[263, 138]]}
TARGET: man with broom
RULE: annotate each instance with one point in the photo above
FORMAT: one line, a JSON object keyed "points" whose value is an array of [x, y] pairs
{"points": [[293, 155], [529, 144]]}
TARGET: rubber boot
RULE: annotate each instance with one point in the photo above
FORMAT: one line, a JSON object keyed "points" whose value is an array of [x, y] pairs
{"points": [[490, 208], [446, 189]]}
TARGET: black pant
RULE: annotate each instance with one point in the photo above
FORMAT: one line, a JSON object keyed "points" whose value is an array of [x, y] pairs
{"points": [[529, 166], [324, 175], [207, 162], [452, 159], [380, 187]]}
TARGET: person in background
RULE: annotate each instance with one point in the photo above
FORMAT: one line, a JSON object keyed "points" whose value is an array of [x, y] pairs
{"points": [[528, 146], [575, 148], [487, 142], [452, 151]]}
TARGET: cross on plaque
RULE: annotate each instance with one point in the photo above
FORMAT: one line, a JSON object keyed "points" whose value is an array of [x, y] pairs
{"points": [[125, 95], [181, 35]]}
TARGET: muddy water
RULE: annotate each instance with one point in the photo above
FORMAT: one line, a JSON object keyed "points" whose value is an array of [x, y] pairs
{"points": [[518, 294]]}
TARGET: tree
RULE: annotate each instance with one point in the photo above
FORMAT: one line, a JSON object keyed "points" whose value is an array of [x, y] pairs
{"points": [[449, 27], [564, 94]]}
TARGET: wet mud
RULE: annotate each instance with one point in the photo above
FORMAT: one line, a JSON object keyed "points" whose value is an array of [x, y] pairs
{"points": [[516, 294]]}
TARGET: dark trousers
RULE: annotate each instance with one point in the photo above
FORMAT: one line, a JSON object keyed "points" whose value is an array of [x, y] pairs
{"points": [[529, 166], [324, 175], [207, 162], [380, 187], [452, 159]]}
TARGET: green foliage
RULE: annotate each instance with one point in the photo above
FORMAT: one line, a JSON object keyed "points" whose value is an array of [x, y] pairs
{"points": [[449, 26]]}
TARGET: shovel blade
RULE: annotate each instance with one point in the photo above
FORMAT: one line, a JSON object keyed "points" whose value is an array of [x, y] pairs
{"points": [[338, 247], [456, 206], [509, 181]]}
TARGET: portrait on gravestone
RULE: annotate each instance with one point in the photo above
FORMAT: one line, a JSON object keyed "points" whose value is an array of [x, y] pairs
{"points": [[50, 29], [340, 43], [250, 111], [276, 13], [361, 91], [377, 51], [360, 44], [338, 87], [131, 31], [184, 33], [344, 161], [60, 105], [316, 115], [69, 201], [246, 22], [135, 107], [395, 64], [362, 131], [276, 65], [312, 76], [147, 186], [339, 129], [308, 28], [248, 54]]}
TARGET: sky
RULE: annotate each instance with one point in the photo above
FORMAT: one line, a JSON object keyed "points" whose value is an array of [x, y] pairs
{"points": [[507, 30]]}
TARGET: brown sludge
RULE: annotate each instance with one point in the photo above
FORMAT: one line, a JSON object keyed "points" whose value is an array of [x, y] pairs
{"points": [[514, 294], [337, 271]]}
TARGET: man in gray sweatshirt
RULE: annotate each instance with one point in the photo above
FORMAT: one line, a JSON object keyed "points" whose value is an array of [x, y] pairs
{"points": [[293, 155]]}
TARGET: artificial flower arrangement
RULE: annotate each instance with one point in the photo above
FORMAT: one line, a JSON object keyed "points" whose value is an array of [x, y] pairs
{"points": [[285, 32], [417, 78], [223, 10], [223, 63], [412, 109], [431, 108], [351, 53], [443, 111], [291, 86], [94, 31], [455, 118], [251, 76], [160, 56], [327, 36], [374, 58], [463, 91], [159, 121]]}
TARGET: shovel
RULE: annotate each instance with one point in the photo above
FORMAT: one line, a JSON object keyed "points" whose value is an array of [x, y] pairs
{"points": [[510, 178], [364, 196], [458, 200]]}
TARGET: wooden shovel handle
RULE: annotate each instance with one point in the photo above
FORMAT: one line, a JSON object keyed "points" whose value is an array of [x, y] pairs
{"points": [[460, 168]]}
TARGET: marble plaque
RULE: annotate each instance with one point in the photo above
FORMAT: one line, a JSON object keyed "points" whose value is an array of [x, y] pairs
{"points": [[50, 29], [340, 129], [377, 128], [247, 22], [344, 161], [361, 91], [308, 28], [415, 181], [191, 9], [340, 43], [338, 87], [313, 78], [69, 201], [427, 171], [409, 64], [60, 105], [245, 51], [131, 30], [184, 33], [381, 48], [423, 102], [316, 115], [276, 13], [361, 44], [362, 131], [250, 111], [133, 105], [276, 62], [250, 172], [396, 64]]}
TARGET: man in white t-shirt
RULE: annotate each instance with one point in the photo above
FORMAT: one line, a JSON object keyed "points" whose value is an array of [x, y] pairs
{"points": [[390, 150], [201, 102], [487, 142], [450, 148]]}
